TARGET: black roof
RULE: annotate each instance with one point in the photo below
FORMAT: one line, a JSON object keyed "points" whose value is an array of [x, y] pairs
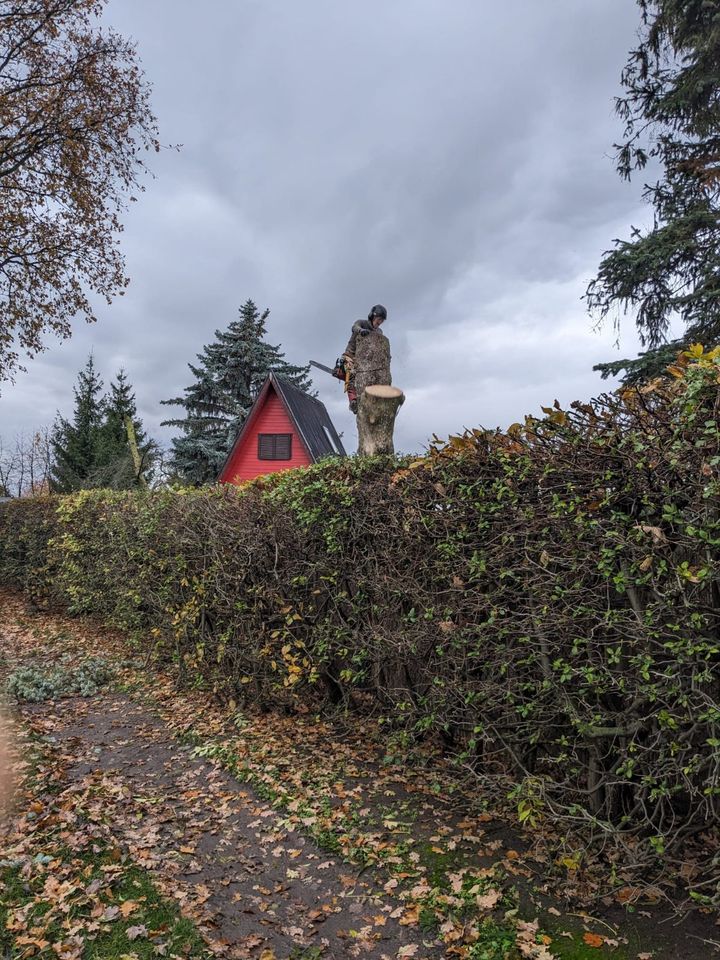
{"points": [[311, 420]]}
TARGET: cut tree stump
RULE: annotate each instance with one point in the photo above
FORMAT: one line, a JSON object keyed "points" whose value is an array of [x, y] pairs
{"points": [[377, 408]]}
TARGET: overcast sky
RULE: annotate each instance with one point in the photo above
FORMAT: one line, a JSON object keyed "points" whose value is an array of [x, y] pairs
{"points": [[451, 159]]}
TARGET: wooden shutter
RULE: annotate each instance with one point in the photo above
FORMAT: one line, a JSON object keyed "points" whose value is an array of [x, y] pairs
{"points": [[274, 446], [283, 446]]}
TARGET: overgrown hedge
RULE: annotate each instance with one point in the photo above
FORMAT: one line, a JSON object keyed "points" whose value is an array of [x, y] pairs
{"points": [[546, 600]]}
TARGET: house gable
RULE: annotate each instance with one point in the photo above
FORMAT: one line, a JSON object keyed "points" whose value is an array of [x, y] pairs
{"points": [[268, 417]]}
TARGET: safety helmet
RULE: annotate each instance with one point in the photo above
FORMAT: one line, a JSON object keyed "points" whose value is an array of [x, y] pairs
{"points": [[378, 311]]}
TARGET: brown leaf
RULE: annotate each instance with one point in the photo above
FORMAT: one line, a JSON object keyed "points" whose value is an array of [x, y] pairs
{"points": [[410, 917], [202, 892], [655, 532], [593, 939], [486, 901]]}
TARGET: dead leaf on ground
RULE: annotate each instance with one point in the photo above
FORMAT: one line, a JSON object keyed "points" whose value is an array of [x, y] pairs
{"points": [[486, 901]]}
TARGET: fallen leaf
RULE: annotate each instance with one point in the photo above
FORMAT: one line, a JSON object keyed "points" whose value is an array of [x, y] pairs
{"points": [[410, 917], [486, 901], [593, 939]]}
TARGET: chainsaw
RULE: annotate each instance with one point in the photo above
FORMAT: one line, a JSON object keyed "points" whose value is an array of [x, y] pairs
{"points": [[339, 371]]}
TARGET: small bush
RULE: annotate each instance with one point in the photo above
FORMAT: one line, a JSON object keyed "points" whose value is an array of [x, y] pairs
{"points": [[36, 684]]}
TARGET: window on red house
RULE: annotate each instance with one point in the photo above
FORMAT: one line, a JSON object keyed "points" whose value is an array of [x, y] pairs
{"points": [[274, 446]]}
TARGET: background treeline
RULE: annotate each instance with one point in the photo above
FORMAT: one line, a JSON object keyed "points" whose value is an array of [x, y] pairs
{"points": [[545, 601], [88, 449], [94, 448]]}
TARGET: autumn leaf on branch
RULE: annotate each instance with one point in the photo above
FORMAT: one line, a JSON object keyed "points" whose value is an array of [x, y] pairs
{"points": [[75, 119]]}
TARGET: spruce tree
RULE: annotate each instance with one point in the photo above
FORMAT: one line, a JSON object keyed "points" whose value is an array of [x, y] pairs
{"points": [[74, 443], [92, 450], [228, 378], [114, 466], [671, 112]]}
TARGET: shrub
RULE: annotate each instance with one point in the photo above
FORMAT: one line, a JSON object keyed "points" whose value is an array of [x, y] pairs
{"points": [[35, 684], [545, 599]]}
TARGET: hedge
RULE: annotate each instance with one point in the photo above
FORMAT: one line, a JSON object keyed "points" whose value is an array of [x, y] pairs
{"points": [[544, 599]]}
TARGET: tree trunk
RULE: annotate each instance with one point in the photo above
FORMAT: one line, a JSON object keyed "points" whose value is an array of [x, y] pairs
{"points": [[372, 361], [377, 409], [134, 452], [378, 402]]}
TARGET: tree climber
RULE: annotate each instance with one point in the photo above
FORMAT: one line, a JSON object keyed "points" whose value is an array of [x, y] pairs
{"points": [[361, 328]]}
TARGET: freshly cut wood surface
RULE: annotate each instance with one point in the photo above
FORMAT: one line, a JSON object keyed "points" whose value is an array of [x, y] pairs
{"points": [[382, 390]]}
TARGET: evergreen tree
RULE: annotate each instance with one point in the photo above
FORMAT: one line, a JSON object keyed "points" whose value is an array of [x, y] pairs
{"points": [[92, 449], [74, 443], [114, 465], [671, 112], [228, 378]]}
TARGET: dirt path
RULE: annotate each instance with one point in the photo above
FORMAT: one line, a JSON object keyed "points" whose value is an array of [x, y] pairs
{"points": [[324, 845], [221, 851]]}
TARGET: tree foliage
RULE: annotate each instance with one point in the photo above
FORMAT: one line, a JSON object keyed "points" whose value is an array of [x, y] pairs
{"points": [[75, 441], [91, 450], [671, 112], [228, 378], [115, 467], [74, 120]]}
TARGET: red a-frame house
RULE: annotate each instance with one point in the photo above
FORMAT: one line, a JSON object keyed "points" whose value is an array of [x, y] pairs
{"points": [[285, 428]]}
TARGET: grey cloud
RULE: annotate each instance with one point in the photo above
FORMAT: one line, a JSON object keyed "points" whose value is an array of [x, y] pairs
{"points": [[448, 159]]}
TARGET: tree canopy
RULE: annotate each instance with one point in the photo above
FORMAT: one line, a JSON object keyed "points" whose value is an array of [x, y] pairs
{"points": [[92, 449], [228, 378], [74, 122], [671, 112]]}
